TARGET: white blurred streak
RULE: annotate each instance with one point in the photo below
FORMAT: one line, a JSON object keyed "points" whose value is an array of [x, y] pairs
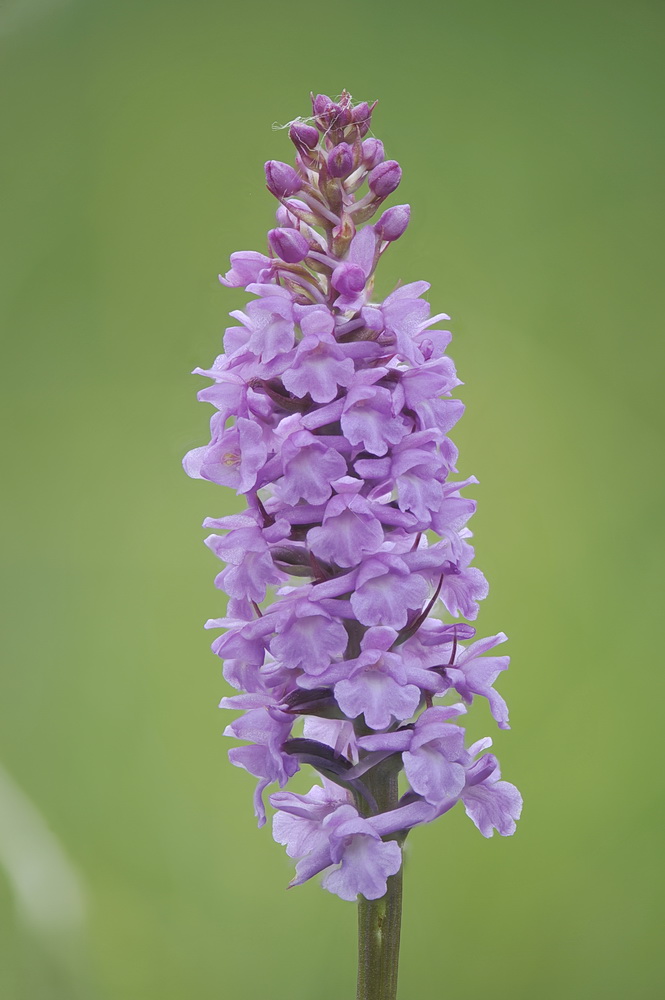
{"points": [[15, 15], [47, 888]]}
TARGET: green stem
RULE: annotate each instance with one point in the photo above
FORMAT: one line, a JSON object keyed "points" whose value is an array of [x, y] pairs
{"points": [[379, 919]]}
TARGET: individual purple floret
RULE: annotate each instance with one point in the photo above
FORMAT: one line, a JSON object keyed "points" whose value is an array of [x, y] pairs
{"points": [[324, 830], [350, 563]]}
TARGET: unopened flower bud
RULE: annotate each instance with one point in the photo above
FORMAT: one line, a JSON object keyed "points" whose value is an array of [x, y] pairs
{"points": [[361, 117], [284, 217], [303, 137], [326, 112], [385, 178], [340, 160], [373, 153], [281, 179], [393, 223], [321, 103], [344, 114], [348, 279], [289, 244], [298, 212]]}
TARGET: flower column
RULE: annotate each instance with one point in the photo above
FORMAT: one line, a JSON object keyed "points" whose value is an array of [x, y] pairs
{"points": [[332, 414]]}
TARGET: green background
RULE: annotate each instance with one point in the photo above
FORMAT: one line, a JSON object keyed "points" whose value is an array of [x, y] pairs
{"points": [[134, 135]]}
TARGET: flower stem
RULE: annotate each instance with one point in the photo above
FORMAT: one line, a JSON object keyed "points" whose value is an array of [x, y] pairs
{"points": [[379, 920]]}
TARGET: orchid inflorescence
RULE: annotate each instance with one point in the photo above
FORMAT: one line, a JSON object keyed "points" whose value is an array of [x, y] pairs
{"points": [[332, 412]]}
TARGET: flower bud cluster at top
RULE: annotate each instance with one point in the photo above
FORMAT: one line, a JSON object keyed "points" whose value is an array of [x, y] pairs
{"points": [[332, 414]]}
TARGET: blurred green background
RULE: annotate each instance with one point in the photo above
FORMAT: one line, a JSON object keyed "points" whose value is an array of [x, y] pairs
{"points": [[134, 133]]}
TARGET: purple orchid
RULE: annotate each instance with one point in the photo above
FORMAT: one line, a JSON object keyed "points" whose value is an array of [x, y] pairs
{"points": [[332, 416], [324, 829]]}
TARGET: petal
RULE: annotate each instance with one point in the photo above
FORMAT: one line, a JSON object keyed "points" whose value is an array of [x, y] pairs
{"points": [[432, 775], [493, 806], [366, 865], [378, 697], [309, 643], [345, 538], [386, 599]]}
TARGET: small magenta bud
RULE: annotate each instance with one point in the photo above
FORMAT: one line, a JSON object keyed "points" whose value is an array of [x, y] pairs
{"points": [[281, 179], [329, 115], [345, 112], [297, 211], [373, 153], [340, 160], [385, 178], [303, 136], [321, 103], [284, 217], [393, 223], [289, 244], [348, 279], [361, 117], [326, 112]]}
